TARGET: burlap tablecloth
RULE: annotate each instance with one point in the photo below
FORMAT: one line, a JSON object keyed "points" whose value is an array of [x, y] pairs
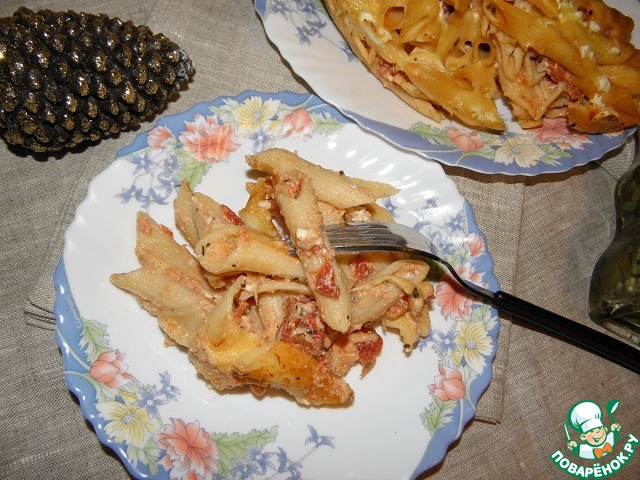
{"points": [[544, 233]]}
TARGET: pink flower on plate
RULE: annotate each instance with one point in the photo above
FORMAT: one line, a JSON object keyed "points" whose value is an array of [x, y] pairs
{"points": [[191, 452], [207, 140], [161, 138], [298, 122], [110, 370], [448, 385], [555, 130], [476, 244], [452, 298], [465, 140]]}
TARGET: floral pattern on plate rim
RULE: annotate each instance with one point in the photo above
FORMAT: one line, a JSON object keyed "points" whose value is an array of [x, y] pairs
{"points": [[128, 414], [552, 147]]}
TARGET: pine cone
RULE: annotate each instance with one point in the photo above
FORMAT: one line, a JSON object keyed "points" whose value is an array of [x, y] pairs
{"points": [[67, 77]]}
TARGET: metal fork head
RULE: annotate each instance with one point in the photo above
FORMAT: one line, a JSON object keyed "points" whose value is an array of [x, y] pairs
{"points": [[377, 234], [397, 237], [380, 236], [367, 236], [359, 236]]}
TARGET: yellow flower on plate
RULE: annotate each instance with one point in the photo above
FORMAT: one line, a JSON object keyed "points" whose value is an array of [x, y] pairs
{"points": [[128, 423], [521, 150], [254, 114], [473, 344]]}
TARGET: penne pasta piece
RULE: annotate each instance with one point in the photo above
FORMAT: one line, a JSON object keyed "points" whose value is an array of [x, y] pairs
{"points": [[157, 249], [377, 189], [331, 187], [623, 76], [231, 249], [195, 213], [179, 309], [209, 212], [298, 204], [184, 214]]}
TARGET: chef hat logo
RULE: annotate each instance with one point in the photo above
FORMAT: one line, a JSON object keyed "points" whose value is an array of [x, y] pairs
{"points": [[585, 416]]}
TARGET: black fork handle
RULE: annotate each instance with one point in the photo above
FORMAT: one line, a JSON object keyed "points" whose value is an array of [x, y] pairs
{"points": [[591, 340], [588, 338]]}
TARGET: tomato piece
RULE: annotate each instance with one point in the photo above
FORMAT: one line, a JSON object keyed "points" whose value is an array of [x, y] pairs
{"points": [[369, 349], [325, 283], [362, 268]]}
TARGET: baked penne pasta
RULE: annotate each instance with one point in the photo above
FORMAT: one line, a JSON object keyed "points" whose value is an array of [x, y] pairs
{"points": [[250, 313], [548, 58]]}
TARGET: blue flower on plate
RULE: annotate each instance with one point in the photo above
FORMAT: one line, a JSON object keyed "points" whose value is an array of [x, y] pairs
{"points": [[281, 7], [260, 458], [129, 193], [445, 342], [152, 197], [456, 223], [142, 163], [318, 440]]}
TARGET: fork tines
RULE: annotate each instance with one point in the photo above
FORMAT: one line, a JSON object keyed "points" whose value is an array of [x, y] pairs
{"points": [[365, 234]]}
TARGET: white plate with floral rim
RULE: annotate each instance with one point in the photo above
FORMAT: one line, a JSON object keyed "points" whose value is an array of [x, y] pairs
{"points": [[146, 401], [307, 38]]}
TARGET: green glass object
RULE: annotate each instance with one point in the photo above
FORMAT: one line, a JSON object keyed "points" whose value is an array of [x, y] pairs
{"points": [[614, 296]]}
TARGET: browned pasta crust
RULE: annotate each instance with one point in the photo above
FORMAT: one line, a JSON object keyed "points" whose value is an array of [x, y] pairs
{"points": [[548, 58]]}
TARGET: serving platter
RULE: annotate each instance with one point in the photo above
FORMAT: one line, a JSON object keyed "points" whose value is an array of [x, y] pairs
{"points": [[145, 400], [309, 41]]}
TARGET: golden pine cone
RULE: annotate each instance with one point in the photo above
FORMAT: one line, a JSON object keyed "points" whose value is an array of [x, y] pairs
{"points": [[68, 77]]}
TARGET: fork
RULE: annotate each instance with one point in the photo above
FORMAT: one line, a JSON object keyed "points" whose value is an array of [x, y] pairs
{"points": [[362, 236]]}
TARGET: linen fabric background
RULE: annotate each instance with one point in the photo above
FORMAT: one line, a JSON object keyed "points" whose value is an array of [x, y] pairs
{"points": [[544, 233]]}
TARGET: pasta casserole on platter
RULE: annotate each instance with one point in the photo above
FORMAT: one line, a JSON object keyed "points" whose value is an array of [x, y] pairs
{"points": [[250, 313], [548, 58]]}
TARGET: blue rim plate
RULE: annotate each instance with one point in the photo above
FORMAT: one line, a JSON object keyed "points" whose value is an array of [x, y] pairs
{"points": [[146, 401], [309, 41]]}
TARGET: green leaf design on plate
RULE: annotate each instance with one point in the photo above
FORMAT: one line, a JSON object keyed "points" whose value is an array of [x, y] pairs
{"points": [[325, 123], [485, 152], [482, 313], [193, 170], [234, 446], [225, 111], [94, 339], [285, 109], [437, 136], [437, 414], [148, 455], [552, 154]]}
